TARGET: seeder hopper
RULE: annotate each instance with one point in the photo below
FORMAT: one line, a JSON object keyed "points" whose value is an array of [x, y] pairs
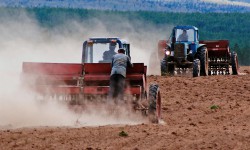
{"points": [[221, 58]]}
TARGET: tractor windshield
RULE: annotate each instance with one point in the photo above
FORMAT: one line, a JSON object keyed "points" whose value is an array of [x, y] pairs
{"points": [[100, 52], [185, 35]]}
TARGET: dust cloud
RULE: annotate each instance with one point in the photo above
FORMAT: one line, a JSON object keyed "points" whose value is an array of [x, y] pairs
{"points": [[23, 39]]}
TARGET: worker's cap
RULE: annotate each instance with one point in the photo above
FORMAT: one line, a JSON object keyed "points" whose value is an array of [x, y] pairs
{"points": [[121, 50], [112, 44]]}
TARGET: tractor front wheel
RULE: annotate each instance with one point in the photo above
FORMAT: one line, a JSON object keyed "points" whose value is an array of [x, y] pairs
{"points": [[154, 110], [170, 69], [166, 68], [196, 68], [163, 67]]}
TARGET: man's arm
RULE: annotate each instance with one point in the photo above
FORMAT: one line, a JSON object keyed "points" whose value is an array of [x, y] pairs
{"points": [[105, 55], [112, 62], [129, 64], [179, 38]]}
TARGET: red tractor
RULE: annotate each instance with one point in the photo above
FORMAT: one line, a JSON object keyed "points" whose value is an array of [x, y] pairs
{"points": [[89, 80]]}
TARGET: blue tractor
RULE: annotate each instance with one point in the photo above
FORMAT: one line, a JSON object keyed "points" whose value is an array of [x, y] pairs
{"points": [[183, 52]]}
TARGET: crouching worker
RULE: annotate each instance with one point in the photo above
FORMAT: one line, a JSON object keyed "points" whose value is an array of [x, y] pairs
{"points": [[119, 65]]}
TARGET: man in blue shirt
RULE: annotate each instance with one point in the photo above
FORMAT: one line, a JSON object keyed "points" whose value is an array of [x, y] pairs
{"points": [[119, 65], [107, 55], [183, 36]]}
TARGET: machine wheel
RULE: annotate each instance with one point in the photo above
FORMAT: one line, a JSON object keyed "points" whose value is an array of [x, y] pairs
{"points": [[167, 69], [154, 110], [209, 73], [235, 65], [163, 67], [203, 56], [196, 68], [170, 69]]}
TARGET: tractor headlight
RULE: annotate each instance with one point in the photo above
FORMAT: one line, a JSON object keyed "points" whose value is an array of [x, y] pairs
{"points": [[168, 52]]}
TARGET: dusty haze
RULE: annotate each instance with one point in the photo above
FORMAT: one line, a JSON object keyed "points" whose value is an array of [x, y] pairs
{"points": [[22, 39]]}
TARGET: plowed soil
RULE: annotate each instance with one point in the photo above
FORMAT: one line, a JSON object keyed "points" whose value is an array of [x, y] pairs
{"points": [[211, 112]]}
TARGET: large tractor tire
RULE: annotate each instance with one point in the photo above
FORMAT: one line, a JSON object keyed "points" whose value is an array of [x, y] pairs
{"points": [[163, 67], [234, 61], [203, 56], [196, 68], [154, 110]]}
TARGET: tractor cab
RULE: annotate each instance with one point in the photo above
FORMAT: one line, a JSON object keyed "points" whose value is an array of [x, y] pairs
{"points": [[186, 38], [187, 34], [101, 50]]}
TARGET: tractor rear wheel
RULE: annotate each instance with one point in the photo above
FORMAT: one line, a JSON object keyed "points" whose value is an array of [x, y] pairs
{"points": [[235, 65], [196, 68], [154, 110], [203, 56]]}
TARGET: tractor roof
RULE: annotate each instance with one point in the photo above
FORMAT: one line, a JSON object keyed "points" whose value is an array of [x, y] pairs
{"points": [[100, 40], [185, 27], [107, 40], [103, 39]]}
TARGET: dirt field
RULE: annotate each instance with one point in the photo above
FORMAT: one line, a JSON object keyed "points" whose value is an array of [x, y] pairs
{"points": [[210, 112]]}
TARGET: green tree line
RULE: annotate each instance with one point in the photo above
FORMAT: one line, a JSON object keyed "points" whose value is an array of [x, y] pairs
{"points": [[234, 27]]}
